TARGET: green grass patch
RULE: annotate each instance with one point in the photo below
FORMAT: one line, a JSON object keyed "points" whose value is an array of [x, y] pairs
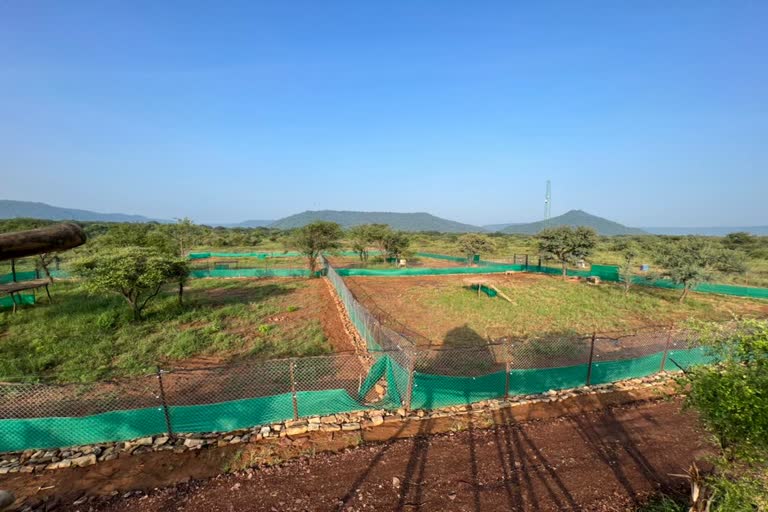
{"points": [[549, 304], [84, 338]]}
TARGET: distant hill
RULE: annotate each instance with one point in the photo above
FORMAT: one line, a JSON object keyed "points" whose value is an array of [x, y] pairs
{"points": [[400, 221], [496, 227], [575, 218], [31, 210], [247, 224], [709, 231]]}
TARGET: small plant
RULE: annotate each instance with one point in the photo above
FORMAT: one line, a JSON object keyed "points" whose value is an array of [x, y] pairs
{"points": [[265, 328]]}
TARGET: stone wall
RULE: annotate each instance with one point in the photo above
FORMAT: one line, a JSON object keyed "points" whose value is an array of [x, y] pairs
{"points": [[31, 461]]}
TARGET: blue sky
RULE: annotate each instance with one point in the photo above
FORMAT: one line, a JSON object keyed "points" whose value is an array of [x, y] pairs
{"points": [[649, 113]]}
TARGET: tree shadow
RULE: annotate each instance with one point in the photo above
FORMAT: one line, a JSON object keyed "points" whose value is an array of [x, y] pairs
{"points": [[227, 294], [608, 440], [345, 500]]}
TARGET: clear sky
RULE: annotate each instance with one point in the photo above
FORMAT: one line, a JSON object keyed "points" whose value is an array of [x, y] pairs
{"points": [[649, 113]]}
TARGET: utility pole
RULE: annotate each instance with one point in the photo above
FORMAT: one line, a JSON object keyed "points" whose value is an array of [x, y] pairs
{"points": [[548, 204]]}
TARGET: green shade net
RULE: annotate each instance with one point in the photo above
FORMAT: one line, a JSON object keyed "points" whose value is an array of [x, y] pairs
{"points": [[330, 401], [540, 380], [38, 433], [686, 358], [249, 272], [433, 391], [396, 378], [7, 301], [429, 391], [427, 271], [612, 371], [488, 291], [232, 415]]}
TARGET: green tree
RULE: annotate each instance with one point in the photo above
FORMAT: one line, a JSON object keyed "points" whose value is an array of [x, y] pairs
{"points": [[379, 233], [690, 261], [313, 239], [473, 244], [629, 251], [137, 274], [148, 235], [362, 237], [739, 240], [731, 398], [182, 233], [395, 244], [567, 244]]}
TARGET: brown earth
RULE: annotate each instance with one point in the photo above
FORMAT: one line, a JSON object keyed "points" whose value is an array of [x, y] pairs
{"points": [[420, 262], [607, 460], [312, 300], [402, 304]]}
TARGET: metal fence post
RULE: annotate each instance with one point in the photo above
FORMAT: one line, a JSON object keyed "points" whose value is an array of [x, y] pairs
{"points": [[506, 381], [666, 348], [166, 412], [293, 391], [591, 356], [409, 388]]}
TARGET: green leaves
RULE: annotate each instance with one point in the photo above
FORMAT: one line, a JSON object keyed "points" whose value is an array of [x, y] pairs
{"points": [[567, 244], [473, 243], [135, 273], [315, 238], [692, 260]]}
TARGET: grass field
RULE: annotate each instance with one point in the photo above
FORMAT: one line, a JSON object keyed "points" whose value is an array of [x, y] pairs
{"points": [[444, 311], [85, 338]]}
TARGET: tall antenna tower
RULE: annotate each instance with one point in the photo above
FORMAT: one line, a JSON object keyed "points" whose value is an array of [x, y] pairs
{"points": [[548, 204]]}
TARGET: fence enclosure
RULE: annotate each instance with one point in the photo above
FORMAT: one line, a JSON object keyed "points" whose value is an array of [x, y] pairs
{"points": [[216, 399]]}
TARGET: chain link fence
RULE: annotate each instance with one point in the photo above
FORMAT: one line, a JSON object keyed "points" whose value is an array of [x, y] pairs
{"points": [[394, 374]]}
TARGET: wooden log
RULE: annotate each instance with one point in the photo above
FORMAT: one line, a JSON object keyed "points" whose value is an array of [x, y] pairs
{"points": [[55, 238]]}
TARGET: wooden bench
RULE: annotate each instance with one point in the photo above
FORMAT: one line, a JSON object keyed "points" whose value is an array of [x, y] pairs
{"points": [[14, 289]]}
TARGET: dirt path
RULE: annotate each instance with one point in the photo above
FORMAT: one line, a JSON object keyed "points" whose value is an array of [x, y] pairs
{"points": [[602, 461]]}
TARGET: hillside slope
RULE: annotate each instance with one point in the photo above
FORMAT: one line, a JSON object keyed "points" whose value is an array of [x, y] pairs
{"points": [[400, 221], [575, 218], [27, 209]]}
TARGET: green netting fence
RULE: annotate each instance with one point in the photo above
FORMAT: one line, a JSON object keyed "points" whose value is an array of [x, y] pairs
{"points": [[29, 275], [24, 299], [250, 272], [250, 394], [264, 255], [604, 272]]}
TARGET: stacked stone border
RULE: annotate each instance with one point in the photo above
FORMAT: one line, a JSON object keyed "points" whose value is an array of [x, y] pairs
{"points": [[35, 461]]}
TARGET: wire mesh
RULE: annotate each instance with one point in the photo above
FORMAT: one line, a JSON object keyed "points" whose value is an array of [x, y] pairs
{"points": [[42, 400], [395, 373]]}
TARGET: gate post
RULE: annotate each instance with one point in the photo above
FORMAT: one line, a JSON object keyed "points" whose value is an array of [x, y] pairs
{"points": [[506, 381], [293, 391], [591, 356], [166, 412], [666, 348], [409, 388]]}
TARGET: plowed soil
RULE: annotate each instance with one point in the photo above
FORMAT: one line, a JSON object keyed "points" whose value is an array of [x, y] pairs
{"points": [[608, 460]]}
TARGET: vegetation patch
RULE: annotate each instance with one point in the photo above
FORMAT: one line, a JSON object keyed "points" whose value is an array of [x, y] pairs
{"points": [[83, 337]]}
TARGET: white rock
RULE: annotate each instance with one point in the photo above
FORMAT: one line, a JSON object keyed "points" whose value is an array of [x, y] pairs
{"points": [[193, 443], [85, 460]]}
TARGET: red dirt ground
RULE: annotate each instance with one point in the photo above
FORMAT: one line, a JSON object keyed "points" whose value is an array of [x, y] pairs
{"points": [[313, 301], [354, 262], [608, 460], [398, 303]]}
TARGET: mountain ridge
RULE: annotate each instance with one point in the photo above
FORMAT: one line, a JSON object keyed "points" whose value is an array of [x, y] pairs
{"points": [[416, 221], [574, 218], [11, 209]]}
